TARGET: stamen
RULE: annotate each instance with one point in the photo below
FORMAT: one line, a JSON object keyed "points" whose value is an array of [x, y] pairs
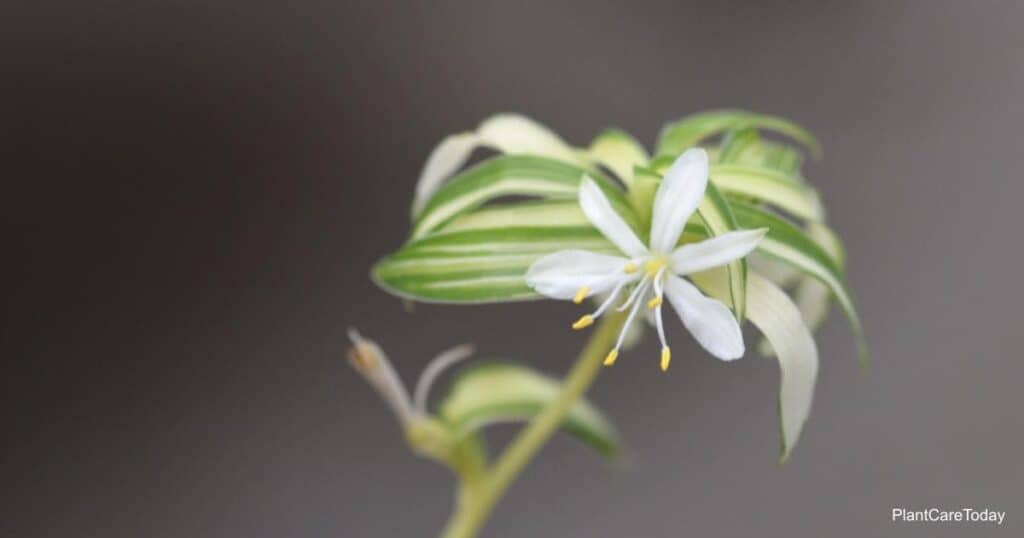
{"points": [[610, 358], [666, 356], [631, 317], [611, 298], [630, 268], [660, 326], [655, 302], [583, 322], [633, 296], [580, 295]]}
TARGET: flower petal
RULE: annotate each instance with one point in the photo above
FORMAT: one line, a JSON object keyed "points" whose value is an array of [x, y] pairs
{"points": [[562, 274], [677, 198], [600, 213], [710, 321], [718, 250]]}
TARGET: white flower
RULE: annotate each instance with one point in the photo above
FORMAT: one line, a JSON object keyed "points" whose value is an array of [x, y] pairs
{"points": [[647, 273]]}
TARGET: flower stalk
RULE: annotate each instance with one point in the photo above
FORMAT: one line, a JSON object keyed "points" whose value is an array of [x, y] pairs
{"points": [[477, 499]]}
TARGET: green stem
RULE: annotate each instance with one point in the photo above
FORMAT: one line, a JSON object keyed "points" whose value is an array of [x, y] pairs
{"points": [[473, 510]]}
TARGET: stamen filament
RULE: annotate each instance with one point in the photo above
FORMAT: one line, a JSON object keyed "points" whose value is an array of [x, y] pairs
{"points": [[632, 296], [657, 308], [660, 326], [629, 319], [607, 302]]}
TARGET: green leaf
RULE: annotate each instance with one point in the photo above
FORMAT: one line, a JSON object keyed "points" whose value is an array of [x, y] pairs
{"points": [[502, 392], [479, 265], [620, 152], [769, 186], [641, 195], [772, 311], [715, 212], [678, 136], [738, 145], [504, 176], [528, 214], [791, 245], [506, 133], [782, 158], [811, 296]]}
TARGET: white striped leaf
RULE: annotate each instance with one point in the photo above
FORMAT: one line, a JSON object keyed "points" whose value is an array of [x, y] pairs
{"points": [[620, 152], [739, 145], [716, 214], [506, 133], [479, 265], [690, 131], [509, 175], [502, 392], [791, 245], [775, 315], [769, 186]]}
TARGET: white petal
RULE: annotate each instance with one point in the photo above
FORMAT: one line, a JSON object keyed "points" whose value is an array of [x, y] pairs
{"points": [[678, 197], [710, 321], [718, 250], [599, 211], [771, 310], [562, 274], [446, 158]]}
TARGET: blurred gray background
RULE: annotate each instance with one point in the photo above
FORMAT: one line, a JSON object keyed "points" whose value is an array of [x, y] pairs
{"points": [[195, 192]]}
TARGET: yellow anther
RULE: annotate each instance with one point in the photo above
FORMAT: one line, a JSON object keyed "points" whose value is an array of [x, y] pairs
{"points": [[610, 359], [630, 268], [655, 302], [583, 322], [580, 295], [666, 356]]}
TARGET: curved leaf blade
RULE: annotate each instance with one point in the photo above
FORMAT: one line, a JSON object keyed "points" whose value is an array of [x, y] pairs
{"points": [[505, 133], [502, 392], [480, 265], [788, 244], [770, 187], [716, 214], [678, 136], [772, 311], [620, 152], [511, 175]]}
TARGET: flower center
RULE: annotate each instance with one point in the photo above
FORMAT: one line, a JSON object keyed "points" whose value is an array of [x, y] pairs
{"points": [[654, 264]]}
